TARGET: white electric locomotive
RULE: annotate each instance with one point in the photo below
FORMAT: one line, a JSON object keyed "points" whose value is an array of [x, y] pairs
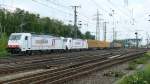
{"points": [[27, 43]]}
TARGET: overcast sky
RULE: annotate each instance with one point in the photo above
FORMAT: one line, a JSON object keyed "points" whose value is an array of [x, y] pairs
{"points": [[62, 10]]}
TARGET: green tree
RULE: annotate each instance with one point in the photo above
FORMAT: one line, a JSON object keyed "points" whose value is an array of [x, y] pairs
{"points": [[23, 21]]}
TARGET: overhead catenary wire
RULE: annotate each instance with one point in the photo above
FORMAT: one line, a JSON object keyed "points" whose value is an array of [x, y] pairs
{"points": [[56, 9], [48, 6], [123, 13], [95, 3], [66, 7], [83, 16], [59, 5], [60, 9]]}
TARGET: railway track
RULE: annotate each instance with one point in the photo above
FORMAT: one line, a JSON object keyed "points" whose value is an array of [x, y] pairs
{"points": [[50, 62], [45, 63], [38, 58], [34, 58], [62, 74]]}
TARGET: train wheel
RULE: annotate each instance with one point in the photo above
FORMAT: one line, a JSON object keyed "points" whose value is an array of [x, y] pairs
{"points": [[29, 53], [66, 49]]}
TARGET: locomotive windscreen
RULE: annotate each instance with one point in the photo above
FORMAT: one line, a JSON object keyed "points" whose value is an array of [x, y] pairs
{"points": [[15, 37]]}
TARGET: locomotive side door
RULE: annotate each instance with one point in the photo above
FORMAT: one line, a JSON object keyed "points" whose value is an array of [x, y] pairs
{"points": [[69, 42], [27, 43]]}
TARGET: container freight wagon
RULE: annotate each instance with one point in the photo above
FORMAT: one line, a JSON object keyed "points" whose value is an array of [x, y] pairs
{"points": [[104, 44], [107, 44], [26, 43], [95, 44]]}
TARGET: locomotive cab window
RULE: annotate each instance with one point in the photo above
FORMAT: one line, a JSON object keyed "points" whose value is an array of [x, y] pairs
{"points": [[15, 37], [65, 40], [26, 38]]}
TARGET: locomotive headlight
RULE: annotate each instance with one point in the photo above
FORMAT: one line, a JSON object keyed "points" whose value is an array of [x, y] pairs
{"points": [[17, 46], [13, 46]]}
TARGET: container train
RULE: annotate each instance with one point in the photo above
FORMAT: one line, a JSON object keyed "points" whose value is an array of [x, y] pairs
{"points": [[27, 43]]}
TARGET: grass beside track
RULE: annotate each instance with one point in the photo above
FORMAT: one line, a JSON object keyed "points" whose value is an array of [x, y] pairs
{"points": [[141, 76], [3, 45], [4, 54]]}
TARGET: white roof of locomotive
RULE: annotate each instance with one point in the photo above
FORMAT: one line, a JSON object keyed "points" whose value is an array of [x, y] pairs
{"points": [[50, 36], [20, 33]]}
